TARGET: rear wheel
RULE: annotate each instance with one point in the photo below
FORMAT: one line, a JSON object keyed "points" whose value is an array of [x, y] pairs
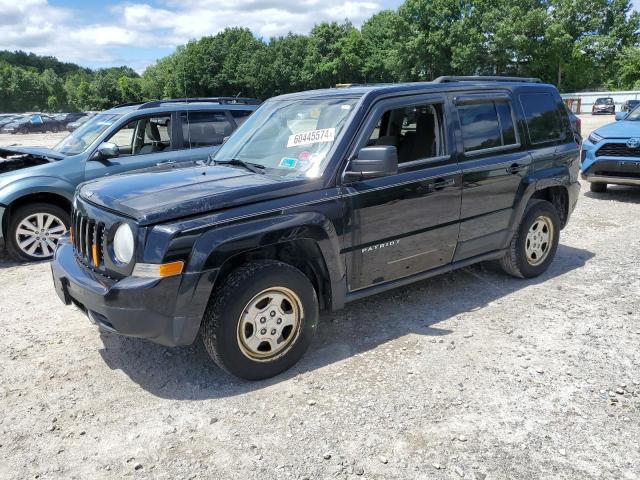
{"points": [[261, 320], [34, 231], [598, 187], [534, 245]]}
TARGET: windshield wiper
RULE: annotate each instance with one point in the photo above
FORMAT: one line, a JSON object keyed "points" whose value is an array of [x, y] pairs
{"points": [[252, 167]]}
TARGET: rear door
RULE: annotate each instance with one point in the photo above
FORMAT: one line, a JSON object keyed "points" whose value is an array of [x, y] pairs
{"points": [[202, 132], [404, 224], [548, 128], [494, 162]]}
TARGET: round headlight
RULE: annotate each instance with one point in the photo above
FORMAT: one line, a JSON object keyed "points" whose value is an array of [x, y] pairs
{"points": [[123, 243]]}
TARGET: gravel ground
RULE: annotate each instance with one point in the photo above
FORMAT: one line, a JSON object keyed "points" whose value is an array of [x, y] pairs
{"points": [[468, 375]]}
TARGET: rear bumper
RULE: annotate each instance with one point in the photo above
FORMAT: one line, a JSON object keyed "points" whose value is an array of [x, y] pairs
{"points": [[136, 307], [574, 193], [2, 210]]}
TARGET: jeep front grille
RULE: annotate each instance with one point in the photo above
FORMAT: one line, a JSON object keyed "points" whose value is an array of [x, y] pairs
{"points": [[88, 239], [617, 150]]}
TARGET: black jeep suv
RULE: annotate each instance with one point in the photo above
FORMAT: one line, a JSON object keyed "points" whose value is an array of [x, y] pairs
{"points": [[322, 198]]}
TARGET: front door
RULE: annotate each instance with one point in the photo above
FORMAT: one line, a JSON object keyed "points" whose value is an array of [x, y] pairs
{"points": [[404, 224], [142, 142]]}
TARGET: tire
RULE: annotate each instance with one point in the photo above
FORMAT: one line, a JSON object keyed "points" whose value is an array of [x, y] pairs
{"points": [[18, 242], [230, 325], [517, 262], [598, 187]]}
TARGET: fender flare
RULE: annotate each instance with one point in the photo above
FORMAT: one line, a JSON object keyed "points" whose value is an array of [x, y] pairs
{"points": [[23, 187], [218, 246], [558, 176]]}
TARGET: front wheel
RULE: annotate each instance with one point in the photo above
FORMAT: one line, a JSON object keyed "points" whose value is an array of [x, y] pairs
{"points": [[261, 320], [534, 245], [34, 231], [597, 187]]}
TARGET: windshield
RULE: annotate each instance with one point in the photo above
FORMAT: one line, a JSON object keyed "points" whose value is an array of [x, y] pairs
{"points": [[634, 115], [84, 136], [289, 137], [604, 101]]}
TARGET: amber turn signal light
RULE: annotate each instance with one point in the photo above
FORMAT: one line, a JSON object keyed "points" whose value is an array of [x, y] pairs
{"points": [[152, 270]]}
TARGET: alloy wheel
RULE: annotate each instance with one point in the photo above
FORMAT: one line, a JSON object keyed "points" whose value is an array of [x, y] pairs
{"points": [[38, 234]]}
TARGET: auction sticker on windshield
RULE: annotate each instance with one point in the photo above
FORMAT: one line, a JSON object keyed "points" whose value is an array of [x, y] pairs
{"points": [[312, 136]]}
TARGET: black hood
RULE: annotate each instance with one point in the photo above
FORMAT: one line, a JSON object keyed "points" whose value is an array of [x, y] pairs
{"points": [[157, 196]]}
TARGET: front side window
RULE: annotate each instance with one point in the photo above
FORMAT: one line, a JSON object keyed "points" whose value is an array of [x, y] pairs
{"points": [[542, 116], [487, 124], [290, 137], [416, 132], [143, 136], [201, 129], [85, 135]]}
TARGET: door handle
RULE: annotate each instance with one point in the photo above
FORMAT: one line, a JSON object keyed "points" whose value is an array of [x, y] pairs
{"points": [[166, 162], [443, 183], [516, 168]]}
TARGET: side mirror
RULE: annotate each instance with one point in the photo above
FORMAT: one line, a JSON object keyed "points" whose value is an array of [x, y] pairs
{"points": [[621, 116], [376, 161], [108, 150]]}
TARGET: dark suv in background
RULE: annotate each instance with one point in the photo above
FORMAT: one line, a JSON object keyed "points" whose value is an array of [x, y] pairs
{"points": [[318, 199], [37, 184]]}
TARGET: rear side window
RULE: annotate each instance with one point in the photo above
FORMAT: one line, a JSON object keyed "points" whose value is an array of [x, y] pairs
{"points": [[487, 124], [239, 116], [202, 129], [544, 122]]}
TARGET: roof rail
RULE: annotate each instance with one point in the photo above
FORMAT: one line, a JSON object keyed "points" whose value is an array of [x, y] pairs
{"points": [[219, 100], [485, 78], [128, 104]]}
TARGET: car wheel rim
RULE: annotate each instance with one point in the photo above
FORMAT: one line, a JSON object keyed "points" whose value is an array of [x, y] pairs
{"points": [[270, 324], [38, 234], [539, 240]]}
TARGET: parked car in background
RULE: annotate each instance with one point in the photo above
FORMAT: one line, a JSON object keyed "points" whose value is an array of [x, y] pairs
{"points": [[33, 123], [611, 154], [603, 105], [66, 118], [9, 118], [322, 198], [629, 105], [37, 184], [71, 126]]}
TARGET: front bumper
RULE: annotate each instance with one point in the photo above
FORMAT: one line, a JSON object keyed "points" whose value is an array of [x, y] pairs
{"points": [[618, 171], [610, 161], [160, 310], [611, 180]]}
